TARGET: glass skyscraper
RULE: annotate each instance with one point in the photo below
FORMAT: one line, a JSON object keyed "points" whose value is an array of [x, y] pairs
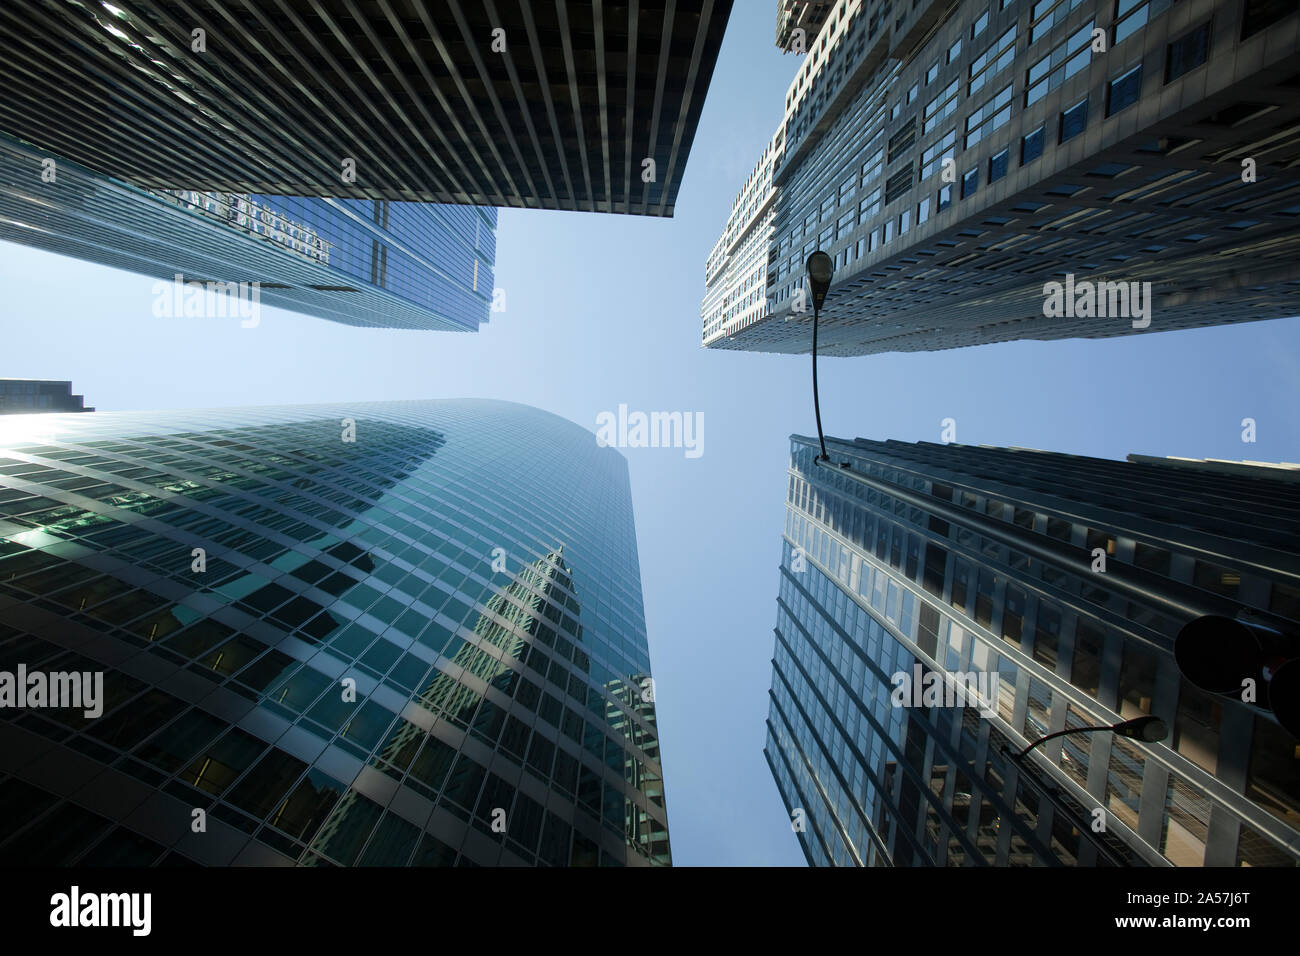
{"points": [[1058, 583], [402, 633], [532, 105], [361, 262]]}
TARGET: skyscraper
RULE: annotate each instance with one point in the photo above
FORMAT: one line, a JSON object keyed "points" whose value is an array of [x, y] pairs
{"points": [[377, 634], [1053, 587], [993, 170], [361, 262], [25, 396], [546, 106]]}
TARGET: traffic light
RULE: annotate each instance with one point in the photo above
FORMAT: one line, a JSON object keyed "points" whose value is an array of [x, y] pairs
{"points": [[1253, 659]]}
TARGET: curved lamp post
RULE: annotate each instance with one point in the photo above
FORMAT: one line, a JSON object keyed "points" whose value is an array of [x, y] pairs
{"points": [[1146, 728], [821, 268]]}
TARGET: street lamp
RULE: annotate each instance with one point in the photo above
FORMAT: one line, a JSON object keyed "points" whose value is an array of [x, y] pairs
{"points": [[1145, 728], [821, 269]]}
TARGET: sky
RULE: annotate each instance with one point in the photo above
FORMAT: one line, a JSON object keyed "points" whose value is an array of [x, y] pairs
{"points": [[603, 310]]}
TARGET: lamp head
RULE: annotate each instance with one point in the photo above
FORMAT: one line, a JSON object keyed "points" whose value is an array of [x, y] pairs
{"points": [[1147, 729], [821, 269]]}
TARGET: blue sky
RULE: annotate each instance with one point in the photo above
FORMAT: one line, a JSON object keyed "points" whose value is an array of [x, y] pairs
{"points": [[603, 310]]}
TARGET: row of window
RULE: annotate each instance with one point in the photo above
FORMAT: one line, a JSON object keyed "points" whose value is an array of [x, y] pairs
{"points": [[1063, 61]]}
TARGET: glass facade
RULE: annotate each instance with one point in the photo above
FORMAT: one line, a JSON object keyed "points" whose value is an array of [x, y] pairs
{"points": [[377, 634], [436, 256], [361, 262], [934, 565], [404, 102]]}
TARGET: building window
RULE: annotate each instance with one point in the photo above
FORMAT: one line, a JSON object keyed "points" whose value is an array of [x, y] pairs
{"points": [[980, 23], [871, 168], [1048, 14], [923, 211], [1047, 636], [846, 224], [1064, 60], [1187, 52], [941, 106], [1133, 15], [937, 152], [1285, 600], [970, 182], [1212, 577], [1151, 558], [1031, 145], [995, 58], [986, 587], [945, 199], [903, 140], [997, 164], [1074, 120], [1038, 706], [932, 73], [954, 51], [1013, 615], [1123, 90], [898, 184], [990, 116], [1273, 776], [1196, 727], [1085, 669], [960, 582], [870, 205], [1264, 13], [1137, 682], [1184, 825]]}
